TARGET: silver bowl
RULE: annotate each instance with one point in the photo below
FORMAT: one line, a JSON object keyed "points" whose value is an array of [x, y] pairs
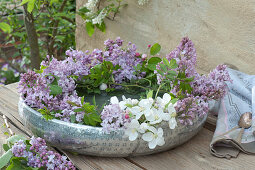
{"points": [[90, 140]]}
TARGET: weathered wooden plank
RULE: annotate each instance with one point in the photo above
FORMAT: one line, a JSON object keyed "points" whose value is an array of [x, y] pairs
{"points": [[194, 154], [13, 87], [102, 163], [8, 104]]}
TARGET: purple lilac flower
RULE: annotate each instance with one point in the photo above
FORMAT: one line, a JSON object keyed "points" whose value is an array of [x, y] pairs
{"points": [[125, 58], [38, 155], [113, 118], [18, 148], [204, 87]]}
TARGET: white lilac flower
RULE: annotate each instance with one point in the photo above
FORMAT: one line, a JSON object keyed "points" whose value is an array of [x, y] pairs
{"points": [[99, 19], [132, 130], [143, 2], [103, 86], [91, 5], [154, 137]]}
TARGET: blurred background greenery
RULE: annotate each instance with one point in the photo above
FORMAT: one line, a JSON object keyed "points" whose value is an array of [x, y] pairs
{"points": [[51, 27]]}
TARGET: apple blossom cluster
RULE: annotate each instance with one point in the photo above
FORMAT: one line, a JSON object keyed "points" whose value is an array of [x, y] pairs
{"points": [[38, 155], [140, 117]]}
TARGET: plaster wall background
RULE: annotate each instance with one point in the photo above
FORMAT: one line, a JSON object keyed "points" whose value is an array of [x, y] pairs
{"points": [[223, 31]]}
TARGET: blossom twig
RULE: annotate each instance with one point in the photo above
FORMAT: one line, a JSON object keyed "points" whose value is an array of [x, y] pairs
{"points": [[7, 125]]}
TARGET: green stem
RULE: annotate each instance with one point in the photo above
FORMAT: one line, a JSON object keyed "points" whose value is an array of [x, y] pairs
{"points": [[158, 90], [130, 85]]}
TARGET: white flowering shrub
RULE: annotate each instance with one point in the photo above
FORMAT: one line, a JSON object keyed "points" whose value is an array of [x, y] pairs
{"points": [[142, 117]]}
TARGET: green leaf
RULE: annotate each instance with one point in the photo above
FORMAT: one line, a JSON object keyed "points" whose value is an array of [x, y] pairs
{"points": [[82, 100], [18, 163], [89, 108], [5, 158], [154, 60], [173, 64], [150, 94], [163, 67], [24, 2], [161, 72], [101, 27], [92, 122], [173, 101], [79, 110], [16, 138], [166, 62], [84, 10], [31, 5], [55, 89], [73, 118], [171, 72], [95, 117], [151, 67], [6, 147], [155, 49], [90, 28], [5, 27], [53, 1], [6, 133], [86, 119], [188, 79]]}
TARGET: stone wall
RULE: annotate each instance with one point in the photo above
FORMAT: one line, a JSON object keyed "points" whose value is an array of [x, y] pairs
{"points": [[223, 31]]}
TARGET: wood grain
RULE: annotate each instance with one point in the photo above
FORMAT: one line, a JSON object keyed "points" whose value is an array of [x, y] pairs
{"points": [[194, 155]]}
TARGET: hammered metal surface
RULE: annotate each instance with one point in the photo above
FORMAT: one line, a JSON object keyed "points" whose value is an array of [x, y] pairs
{"points": [[89, 140]]}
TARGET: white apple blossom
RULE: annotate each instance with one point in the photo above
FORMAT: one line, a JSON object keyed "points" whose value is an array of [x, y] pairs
{"points": [[172, 112], [162, 102], [136, 111], [154, 137], [157, 116], [132, 130], [115, 100], [143, 127]]}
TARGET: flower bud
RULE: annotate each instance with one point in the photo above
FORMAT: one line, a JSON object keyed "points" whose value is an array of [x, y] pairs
{"points": [[137, 54], [103, 86]]}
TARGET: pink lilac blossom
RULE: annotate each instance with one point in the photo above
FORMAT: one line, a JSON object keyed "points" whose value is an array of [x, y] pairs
{"points": [[35, 87], [113, 118], [127, 59], [39, 156]]}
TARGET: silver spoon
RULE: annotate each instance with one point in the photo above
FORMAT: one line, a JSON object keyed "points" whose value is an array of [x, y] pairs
{"points": [[244, 122]]}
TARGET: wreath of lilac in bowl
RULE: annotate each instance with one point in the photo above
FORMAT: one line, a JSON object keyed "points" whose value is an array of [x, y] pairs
{"points": [[119, 94]]}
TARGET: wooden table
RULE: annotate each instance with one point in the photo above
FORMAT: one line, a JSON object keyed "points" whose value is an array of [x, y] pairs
{"points": [[194, 154]]}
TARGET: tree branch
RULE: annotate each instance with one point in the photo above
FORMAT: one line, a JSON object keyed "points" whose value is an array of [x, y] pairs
{"points": [[32, 38], [55, 30]]}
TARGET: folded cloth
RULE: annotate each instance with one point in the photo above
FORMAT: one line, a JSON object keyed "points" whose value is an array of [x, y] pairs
{"points": [[238, 100]]}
